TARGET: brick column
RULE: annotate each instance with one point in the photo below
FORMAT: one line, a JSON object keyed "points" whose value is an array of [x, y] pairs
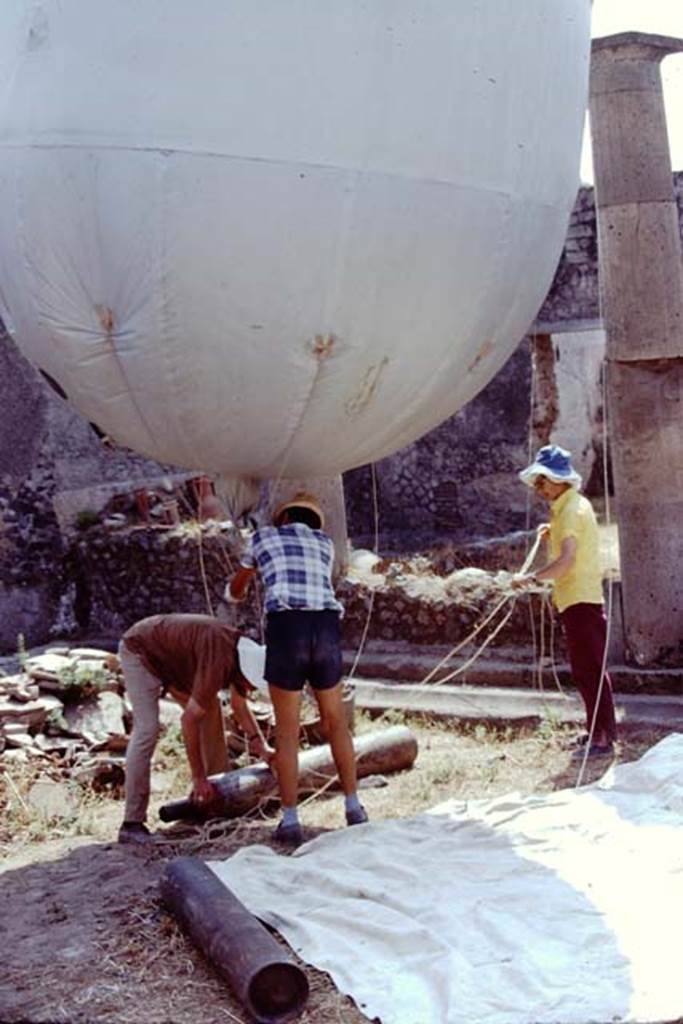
{"points": [[641, 274]]}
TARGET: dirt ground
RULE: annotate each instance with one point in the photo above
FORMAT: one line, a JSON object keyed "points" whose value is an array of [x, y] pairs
{"points": [[84, 935]]}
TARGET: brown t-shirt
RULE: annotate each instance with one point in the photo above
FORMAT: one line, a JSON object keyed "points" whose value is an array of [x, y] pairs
{"points": [[191, 654]]}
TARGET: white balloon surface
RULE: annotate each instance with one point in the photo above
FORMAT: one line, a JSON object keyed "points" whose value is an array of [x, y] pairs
{"points": [[271, 238]]}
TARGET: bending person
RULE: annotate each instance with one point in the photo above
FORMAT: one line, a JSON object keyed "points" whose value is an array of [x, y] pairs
{"points": [[294, 559], [192, 658], [575, 572]]}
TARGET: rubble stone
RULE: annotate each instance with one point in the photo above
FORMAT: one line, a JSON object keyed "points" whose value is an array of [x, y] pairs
{"points": [[32, 714], [99, 720], [51, 799]]}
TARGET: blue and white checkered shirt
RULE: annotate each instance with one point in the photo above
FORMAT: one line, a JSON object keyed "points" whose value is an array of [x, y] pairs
{"points": [[295, 565]]}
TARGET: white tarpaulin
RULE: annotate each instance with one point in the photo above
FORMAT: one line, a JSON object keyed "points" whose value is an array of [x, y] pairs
{"points": [[565, 907]]}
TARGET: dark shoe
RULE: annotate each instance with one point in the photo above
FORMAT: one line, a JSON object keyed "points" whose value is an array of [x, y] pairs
{"points": [[135, 832], [595, 750], [357, 817], [288, 835]]}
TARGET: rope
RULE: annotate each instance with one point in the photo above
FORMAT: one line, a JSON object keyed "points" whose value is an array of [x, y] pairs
{"points": [[202, 571], [556, 678], [371, 605], [470, 636], [462, 643], [541, 648], [530, 454], [482, 647]]}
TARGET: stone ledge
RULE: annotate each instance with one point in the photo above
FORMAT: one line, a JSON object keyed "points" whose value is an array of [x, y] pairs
{"points": [[469, 703], [406, 667]]}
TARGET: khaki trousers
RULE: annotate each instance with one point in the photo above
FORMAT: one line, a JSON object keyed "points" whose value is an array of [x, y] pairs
{"points": [[144, 693]]}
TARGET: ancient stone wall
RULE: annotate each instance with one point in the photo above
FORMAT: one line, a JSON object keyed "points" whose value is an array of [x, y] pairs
{"points": [[46, 450], [458, 481], [107, 579], [122, 576]]}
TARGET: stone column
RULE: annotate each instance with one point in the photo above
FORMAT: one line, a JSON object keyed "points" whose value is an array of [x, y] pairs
{"points": [[642, 291]]}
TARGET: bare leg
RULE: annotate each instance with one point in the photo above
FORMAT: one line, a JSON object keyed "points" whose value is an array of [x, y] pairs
{"points": [[286, 705], [336, 729]]}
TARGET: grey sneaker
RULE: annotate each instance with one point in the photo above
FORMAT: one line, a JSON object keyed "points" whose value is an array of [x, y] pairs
{"points": [[134, 832], [357, 817], [288, 835]]}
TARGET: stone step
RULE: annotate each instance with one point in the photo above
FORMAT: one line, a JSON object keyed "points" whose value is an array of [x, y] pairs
{"points": [[515, 668], [471, 703]]}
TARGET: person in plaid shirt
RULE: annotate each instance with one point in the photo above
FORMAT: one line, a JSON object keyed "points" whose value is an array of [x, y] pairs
{"points": [[294, 559]]}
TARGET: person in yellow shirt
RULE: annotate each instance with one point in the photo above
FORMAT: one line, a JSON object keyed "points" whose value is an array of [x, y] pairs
{"points": [[575, 573]]}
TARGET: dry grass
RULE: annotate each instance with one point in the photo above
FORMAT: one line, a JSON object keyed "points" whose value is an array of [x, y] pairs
{"points": [[89, 940]]}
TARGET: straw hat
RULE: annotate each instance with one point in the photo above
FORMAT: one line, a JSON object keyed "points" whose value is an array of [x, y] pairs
{"points": [[302, 499]]}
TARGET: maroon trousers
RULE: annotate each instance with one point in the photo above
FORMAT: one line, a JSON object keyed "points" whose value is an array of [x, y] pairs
{"points": [[585, 631]]}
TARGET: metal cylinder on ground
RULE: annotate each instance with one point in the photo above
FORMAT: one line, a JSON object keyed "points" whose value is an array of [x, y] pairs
{"points": [[377, 753], [262, 975]]}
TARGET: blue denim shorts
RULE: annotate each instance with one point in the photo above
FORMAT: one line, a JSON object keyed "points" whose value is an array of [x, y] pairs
{"points": [[303, 647]]}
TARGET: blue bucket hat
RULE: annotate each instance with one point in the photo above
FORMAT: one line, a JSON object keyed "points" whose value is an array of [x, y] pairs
{"points": [[554, 463]]}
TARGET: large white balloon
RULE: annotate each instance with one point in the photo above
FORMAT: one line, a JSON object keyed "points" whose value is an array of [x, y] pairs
{"points": [[282, 238]]}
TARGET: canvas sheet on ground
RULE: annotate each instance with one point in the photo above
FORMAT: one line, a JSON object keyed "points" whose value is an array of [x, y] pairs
{"points": [[564, 907]]}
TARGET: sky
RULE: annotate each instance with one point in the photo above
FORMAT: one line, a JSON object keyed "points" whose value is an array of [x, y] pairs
{"points": [[660, 17]]}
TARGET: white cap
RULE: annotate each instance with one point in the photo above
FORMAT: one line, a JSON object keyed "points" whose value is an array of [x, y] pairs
{"points": [[252, 658]]}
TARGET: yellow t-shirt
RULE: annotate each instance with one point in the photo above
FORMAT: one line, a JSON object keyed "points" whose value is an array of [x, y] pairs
{"points": [[571, 515]]}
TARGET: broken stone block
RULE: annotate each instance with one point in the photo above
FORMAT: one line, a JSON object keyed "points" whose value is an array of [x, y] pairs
{"points": [[75, 677], [56, 744], [51, 799], [26, 692], [16, 756], [91, 653], [47, 666], [98, 720], [21, 740], [32, 714], [20, 686], [100, 774], [13, 728], [16, 736]]}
